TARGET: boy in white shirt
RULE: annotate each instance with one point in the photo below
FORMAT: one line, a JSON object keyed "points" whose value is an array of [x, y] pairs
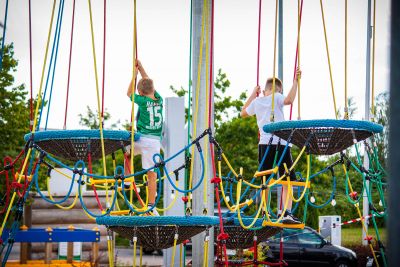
{"points": [[261, 107]]}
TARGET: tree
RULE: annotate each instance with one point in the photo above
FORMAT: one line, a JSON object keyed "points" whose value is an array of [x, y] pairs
{"points": [[381, 112], [14, 109], [238, 138], [224, 106], [91, 119], [351, 106]]}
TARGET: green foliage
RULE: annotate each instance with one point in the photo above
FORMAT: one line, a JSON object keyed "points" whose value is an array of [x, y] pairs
{"points": [[381, 117], [238, 138], [91, 119], [14, 107], [224, 106], [352, 109]]}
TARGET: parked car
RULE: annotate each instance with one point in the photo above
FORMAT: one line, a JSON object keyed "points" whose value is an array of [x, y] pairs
{"points": [[308, 248]]}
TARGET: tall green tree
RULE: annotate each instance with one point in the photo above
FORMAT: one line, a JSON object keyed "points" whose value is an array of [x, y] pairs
{"points": [[225, 107], [91, 119], [381, 117], [14, 107]]}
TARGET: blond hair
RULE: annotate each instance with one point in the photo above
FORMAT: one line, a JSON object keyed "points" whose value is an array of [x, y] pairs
{"points": [[145, 86], [278, 84]]}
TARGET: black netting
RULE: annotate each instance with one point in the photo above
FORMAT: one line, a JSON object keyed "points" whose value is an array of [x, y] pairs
{"points": [[78, 149], [324, 141], [158, 237], [240, 238]]}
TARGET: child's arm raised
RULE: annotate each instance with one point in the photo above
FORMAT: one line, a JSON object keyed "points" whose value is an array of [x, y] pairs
{"points": [[289, 99], [138, 67], [130, 89], [253, 96], [141, 70]]}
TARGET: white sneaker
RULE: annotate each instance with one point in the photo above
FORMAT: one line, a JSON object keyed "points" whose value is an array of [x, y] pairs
{"points": [[290, 219]]}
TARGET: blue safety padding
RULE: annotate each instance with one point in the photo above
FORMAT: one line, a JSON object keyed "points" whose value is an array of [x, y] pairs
{"points": [[130, 221], [344, 124], [120, 135], [56, 235]]}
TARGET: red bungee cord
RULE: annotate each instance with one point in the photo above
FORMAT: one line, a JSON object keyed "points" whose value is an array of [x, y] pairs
{"points": [[69, 63], [104, 59], [258, 42], [297, 54], [7, 162], [93, 185], [211, 92], [30, 69]]}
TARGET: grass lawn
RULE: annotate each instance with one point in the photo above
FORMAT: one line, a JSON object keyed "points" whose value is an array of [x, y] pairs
{"points": [[352, 236]]}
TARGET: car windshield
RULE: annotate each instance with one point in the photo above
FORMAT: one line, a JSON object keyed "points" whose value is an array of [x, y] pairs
{"points": [[304, 236], [309, 237], [289, 236]]}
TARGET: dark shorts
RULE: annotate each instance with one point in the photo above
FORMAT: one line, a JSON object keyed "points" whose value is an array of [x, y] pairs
{"points": [[269, 160]]}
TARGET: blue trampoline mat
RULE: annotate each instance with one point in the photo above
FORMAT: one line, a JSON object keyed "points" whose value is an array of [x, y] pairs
{"points": [[81, 134], [76, 145], [131, 221], [327, 123], [324, 137]]}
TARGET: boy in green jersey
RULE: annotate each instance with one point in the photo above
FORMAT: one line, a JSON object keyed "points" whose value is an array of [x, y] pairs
{"points": [[149, 125]]}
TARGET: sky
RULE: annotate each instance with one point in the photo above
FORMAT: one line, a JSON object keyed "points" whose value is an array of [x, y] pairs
{"points": [[163, 48]]}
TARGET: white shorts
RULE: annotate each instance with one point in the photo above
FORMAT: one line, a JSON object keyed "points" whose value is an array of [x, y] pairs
{"points": [[146, 147]]}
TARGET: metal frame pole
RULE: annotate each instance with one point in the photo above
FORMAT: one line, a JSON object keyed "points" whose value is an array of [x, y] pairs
{"points": [[367, 117], [197, 201], [175, 140], [280, 40], [280, 76]]}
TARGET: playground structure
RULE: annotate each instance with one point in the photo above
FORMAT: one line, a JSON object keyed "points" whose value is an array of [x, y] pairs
{"points": [[48, 236], [202, 164]]}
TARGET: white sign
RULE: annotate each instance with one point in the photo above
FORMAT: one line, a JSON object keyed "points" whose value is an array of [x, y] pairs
{"points": [[63, 248]]}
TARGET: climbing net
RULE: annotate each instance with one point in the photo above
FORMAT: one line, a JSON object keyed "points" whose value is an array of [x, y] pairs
{"points": [[75, 150]]}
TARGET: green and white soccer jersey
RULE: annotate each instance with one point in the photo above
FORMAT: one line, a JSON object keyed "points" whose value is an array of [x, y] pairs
{"points": [[150, 115]]}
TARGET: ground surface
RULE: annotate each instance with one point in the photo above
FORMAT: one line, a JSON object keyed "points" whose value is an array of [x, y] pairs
{"points": [[351, 237]]}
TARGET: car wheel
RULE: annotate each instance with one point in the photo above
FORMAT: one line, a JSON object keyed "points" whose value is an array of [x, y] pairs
{"points": [[342, 264], [148, 251]]}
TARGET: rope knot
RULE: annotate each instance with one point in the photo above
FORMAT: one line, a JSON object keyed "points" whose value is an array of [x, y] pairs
{"points": [[205, 211], [188, 161], [223, 237], [264, 187], [215, 180], [159, 164], [41, 157], [188, 211], [372, 207], [8, 167], [76, 171], [49, 169], [16, 185], [119, 177], [368, 238], [353, 195], [199, 147]]}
